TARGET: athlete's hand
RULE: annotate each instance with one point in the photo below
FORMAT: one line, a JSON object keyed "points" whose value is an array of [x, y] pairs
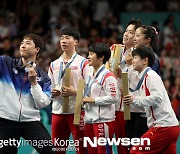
{"points": [[129, 59], [119, 73], [55, 93], [88, 100], [68, 91], [32, 76], [128, 99]]}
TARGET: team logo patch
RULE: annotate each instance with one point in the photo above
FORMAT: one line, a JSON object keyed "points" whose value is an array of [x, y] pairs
{"points": [[38, 78]]}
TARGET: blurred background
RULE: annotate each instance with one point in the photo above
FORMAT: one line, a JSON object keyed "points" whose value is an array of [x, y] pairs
{"points": [[97, 21]]}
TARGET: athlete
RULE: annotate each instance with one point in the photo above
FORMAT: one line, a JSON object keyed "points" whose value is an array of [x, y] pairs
{"points": [[62, 123], [152, 96], [25, 89], [125, 61], [101, 95]]}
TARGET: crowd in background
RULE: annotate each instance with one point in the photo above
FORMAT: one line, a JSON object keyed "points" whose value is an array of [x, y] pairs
{"points": [[97, 21]]}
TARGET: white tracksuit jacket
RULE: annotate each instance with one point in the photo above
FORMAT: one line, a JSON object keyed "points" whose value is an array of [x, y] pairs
{"points": [[124, 67], [153, 96], [105, 91], [79, 70]]}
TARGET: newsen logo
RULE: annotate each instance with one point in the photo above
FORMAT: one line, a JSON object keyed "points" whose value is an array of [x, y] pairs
{"points": [[101, 141]]}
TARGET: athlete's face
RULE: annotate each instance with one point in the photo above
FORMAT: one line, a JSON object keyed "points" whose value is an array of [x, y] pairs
{"points": [[139, 39], [28, 49], [138, 63], [93, 60], [129, 35], [68, 43]]}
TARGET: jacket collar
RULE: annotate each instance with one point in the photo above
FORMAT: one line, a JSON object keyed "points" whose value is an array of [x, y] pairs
{"points": [[19, 64]]}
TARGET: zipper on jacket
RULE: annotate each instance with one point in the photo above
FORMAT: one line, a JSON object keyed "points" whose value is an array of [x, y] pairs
{"points": [[20, 97], [20, 105]]}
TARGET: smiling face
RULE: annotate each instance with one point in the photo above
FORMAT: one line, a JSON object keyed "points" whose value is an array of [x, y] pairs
{"points": [[138, 63], [28, 49], [139, 38], [68, 43], [129, 35]]}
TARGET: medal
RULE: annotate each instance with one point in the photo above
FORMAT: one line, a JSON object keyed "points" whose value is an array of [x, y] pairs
{"points": [[58, 87]]}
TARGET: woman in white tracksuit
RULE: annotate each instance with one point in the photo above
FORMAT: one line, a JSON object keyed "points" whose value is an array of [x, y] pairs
{"points": [[101, 94], [152, 96]]}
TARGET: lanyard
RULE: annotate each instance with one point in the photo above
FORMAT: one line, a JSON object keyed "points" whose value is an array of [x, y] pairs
{"points": [[123, 62], [140, 81], [61, 71], [89, 85]]}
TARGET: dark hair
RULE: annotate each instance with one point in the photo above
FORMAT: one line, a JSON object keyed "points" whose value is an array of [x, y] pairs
{"points": [[144, 52], [71, 32], [136, 22], [101, 50], [38, 41], [150, 32]]}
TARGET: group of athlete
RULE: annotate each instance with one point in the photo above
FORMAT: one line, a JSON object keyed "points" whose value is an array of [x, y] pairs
{"points": [[26, 88]]}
